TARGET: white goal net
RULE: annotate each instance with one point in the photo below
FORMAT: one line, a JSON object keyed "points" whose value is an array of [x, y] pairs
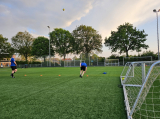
{"points": [[72, 63], [141, 86], [111, 62]]}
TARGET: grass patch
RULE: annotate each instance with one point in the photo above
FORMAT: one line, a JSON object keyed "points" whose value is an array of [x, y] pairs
{"points": [[62, 97]]}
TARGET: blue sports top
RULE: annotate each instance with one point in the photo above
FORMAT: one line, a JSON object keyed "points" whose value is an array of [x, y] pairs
{"points": [[12, 62], [83, 64]]}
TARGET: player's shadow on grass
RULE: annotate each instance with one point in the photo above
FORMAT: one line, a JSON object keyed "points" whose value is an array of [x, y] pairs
{"points": [[120, 86]]}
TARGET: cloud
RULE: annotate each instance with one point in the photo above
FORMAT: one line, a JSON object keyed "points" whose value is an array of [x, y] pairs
{"points": [[107, 15], [135, 12], [102, 15], [4, 10], [38, 14]]}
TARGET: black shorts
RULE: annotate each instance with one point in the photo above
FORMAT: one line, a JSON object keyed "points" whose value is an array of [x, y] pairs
{"points": [[83, 68], [13, 67]]}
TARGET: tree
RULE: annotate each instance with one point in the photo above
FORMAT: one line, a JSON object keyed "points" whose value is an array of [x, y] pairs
{"points": [[61, 41], [86, 40], [22, 43], [5, 48], [75, 58], [150, 53], [126, 38], [83, 57], [101, 59], [94, 56], [40, 47], [113, 56]]}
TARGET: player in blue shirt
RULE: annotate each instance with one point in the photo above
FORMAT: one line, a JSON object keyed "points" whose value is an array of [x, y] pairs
{"points": [[83, 67], [13, 66]]}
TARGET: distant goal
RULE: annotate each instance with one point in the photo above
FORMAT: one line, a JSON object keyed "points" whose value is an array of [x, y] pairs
{"points": [[72, 63], [141, 87], [111, 62]]}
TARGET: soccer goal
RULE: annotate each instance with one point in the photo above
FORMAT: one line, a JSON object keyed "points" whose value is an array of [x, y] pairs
{"points": [[73, 63], [141, 87], [111, 62]]}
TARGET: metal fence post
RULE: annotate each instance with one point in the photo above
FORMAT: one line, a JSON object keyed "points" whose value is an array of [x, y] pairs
{"points": [[89, 60], [54, 61], [143, 72], [118, 62], [133, 69], [123, 61]]}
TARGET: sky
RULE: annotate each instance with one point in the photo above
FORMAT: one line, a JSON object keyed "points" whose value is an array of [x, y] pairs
{"points": [[103, 15]]}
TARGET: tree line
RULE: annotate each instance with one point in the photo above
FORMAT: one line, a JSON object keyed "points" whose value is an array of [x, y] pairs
{"points": [[145, 56], [83, 39]]}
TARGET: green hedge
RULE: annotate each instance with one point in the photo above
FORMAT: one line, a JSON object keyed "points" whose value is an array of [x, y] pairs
{"points": [[24, 62]]}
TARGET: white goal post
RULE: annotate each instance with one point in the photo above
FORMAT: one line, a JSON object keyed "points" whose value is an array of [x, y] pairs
{"points": [[141, 87]]}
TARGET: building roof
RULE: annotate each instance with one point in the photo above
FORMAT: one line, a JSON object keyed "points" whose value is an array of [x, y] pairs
{"points": [[67, 59]]}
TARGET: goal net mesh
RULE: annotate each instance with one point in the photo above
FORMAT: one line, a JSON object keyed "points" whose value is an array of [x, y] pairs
{"points": [[141, 86], [112, 62], [73, 63]]}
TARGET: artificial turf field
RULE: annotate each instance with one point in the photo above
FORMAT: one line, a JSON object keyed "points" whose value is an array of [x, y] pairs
{"points": [[68, 96]]}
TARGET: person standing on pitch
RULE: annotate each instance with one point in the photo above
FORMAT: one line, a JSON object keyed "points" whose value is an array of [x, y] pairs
{"points": [[13, 66], [83, 67]]}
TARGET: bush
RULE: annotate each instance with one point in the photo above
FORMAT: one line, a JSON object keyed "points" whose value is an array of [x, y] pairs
{"points": [[34, 62], [24, 62], [21, 62]]}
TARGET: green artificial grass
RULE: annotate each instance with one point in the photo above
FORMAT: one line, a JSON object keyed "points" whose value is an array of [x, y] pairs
{"points": [[68, 96]]}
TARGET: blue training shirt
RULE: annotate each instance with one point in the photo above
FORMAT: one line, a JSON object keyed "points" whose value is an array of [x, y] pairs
{"points": [[83, 64], [12, 62]]}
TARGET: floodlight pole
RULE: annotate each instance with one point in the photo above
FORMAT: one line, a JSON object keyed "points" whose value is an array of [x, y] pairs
{"points": [[157, 29], [49, 49], [81, 57], [89, 60]]}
